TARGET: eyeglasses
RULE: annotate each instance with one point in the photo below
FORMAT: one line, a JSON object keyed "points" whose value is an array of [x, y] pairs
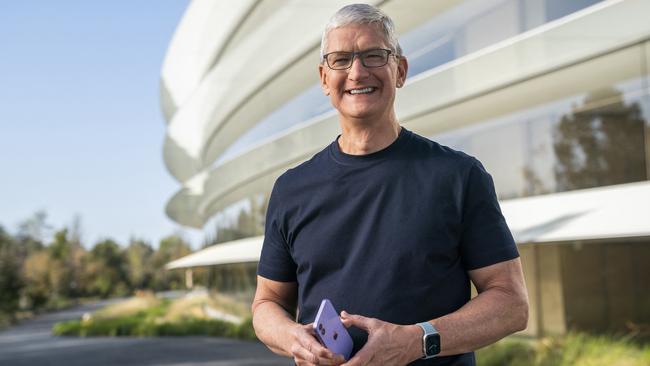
{"points": [[369, 58]]}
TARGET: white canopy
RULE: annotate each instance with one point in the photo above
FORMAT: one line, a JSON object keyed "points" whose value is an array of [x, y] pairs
{"points": [[618, 211], [237, 251]]}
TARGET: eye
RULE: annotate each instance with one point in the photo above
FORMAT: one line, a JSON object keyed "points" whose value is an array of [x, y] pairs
{"points": [[375, 55], [339, 59]]}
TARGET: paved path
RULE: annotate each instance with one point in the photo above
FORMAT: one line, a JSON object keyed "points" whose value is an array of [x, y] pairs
{"points": [[31, 343]]}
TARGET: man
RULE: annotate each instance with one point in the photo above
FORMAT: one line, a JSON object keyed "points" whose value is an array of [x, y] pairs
{"points": [[388, 225]]}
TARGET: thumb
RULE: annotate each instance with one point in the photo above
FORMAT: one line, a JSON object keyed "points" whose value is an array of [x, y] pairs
{"points": [[358, 321]]}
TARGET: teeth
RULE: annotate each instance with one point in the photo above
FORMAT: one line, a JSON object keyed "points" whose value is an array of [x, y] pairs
{"points": [[361, 91]]}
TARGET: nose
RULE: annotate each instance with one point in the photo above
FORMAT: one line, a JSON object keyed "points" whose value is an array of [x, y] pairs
{"points": [[357, 71]]}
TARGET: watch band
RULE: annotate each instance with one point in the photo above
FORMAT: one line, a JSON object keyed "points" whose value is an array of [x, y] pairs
{"points": [[429, 330]]}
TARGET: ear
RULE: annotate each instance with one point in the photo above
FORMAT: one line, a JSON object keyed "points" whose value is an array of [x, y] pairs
{"points": [[402, 70], [323, 79]]}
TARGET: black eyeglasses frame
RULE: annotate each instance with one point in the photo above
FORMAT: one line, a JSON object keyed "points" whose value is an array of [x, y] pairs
{"points": [[357, 55]]}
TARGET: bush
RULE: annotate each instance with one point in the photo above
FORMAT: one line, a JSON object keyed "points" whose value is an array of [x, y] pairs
{"points": [[144, 325], [572, 349]]}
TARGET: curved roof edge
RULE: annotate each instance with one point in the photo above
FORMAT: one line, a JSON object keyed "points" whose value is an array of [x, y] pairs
{"points": [[204, 30]]}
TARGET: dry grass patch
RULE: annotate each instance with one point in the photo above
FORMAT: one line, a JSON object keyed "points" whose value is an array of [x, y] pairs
{"points": [[206, 306], [128, 307]]}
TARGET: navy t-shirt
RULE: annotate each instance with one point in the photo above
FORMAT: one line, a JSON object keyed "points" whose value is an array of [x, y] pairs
{"points": [[389, 235]]}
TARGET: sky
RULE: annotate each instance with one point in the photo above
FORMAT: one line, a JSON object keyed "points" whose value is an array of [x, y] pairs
{"points": [[81, 128]]}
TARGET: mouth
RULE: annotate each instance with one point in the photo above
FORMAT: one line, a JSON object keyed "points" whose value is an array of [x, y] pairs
{"points": [[357, 91]]}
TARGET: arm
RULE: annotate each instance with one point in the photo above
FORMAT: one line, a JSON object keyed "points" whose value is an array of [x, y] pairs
{"points": [[501, 308], [274, 310]]}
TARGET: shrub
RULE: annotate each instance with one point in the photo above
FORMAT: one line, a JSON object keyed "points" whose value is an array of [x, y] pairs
{"points": [[572, 349], [143, 325]]}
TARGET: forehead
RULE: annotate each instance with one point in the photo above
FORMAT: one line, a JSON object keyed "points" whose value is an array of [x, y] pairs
{"points": [[356, 37]]}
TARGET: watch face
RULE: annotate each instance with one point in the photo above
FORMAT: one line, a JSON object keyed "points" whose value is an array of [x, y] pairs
{"points": [[432, 344]]}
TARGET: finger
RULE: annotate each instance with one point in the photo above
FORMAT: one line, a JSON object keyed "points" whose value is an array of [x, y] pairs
{"points": [[363, 357], [314, 347], [357, 320], [302, 356]]}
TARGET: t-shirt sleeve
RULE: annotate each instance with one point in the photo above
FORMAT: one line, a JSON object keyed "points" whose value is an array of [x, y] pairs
{"points": [[485, 238], [276, 262]]}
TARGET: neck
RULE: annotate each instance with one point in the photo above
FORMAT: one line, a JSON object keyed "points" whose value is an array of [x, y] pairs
{"points": [[360, 139]]}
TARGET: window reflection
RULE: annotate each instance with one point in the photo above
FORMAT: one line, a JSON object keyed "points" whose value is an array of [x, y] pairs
{"points": [[600, 143], [242, 219], [580, 142], [476, 24]]}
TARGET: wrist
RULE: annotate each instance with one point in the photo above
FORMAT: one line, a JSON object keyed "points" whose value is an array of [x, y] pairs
{"points": [[415, 350], [288, 337]]}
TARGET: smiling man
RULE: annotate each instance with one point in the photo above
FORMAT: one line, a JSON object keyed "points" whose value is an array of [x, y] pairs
{"points": [[388, 225]]}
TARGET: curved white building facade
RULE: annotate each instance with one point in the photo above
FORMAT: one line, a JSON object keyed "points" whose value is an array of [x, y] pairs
{"points": [[552, 96]]}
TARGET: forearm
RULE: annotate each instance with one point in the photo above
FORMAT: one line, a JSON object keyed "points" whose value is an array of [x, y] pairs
{"points": [[492, 315], [274, 327]]}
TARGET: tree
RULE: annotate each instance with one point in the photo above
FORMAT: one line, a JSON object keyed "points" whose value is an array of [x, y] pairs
{"points": [[139, 256], [60, 275], [11, 282], [105, 270], [37, 279], [35, 228], [170, 248], [600, 143]]}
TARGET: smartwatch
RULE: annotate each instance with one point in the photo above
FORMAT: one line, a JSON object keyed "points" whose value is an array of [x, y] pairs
{"points": [[430, 340]]}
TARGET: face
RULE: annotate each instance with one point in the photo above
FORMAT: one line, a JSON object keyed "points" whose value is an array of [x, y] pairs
{"points": [[342, 86]]}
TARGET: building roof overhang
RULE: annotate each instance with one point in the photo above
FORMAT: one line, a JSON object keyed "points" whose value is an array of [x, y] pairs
{"points": [[604, 213]]}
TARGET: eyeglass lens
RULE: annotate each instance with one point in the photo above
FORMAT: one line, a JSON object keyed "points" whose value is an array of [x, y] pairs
{"points": [[369, 58]]}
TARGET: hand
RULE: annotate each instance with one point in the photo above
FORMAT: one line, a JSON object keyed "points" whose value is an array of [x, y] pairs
{"points": [[388, 343], [306, 350]]}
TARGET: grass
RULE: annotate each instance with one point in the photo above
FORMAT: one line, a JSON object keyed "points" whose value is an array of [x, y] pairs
{"points": [[146, 315], [141, 326], [574, 349]]}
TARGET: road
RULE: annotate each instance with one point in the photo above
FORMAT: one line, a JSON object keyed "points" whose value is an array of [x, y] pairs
{"points": [[31, 343]]}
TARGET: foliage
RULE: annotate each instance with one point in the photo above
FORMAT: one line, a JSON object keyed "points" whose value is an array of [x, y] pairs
{"points": [[42, 268], [10, 280], [170, 248], [139, 326], [598, 143], [577, 349], [138, 262], [150, 321], [106, 270]]}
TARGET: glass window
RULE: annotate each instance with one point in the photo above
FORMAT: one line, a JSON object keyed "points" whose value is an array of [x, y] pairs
{"points": [[591, 140]]}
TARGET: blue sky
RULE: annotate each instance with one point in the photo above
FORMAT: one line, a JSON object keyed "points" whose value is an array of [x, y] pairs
{"points": [[81, 128]]}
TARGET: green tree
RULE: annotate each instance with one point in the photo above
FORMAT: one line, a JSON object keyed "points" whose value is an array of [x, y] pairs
{"points": [[105, 270], [37, 279], [600, 143], [170, 248], [66, 256], [139, 255], [11, 282]]}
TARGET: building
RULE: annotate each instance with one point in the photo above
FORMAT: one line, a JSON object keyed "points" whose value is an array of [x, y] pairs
{"points": [[552, 96]]}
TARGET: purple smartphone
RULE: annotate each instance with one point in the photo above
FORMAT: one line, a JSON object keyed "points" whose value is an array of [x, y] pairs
{"points": [[331, 332]]}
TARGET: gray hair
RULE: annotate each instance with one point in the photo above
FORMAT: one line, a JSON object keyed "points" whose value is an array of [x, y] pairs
{"points": [[362, 14]]}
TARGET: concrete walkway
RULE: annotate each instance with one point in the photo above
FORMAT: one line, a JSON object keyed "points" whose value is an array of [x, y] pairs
{"points": [[31, 343]]}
